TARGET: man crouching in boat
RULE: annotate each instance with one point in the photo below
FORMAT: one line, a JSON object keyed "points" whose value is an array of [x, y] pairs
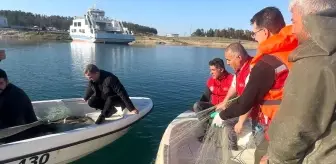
{"points": [[105, 91], [15, 106], [217, 87]]}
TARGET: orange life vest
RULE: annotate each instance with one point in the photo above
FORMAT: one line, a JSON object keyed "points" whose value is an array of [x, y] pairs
{"points": [[278, 46]]}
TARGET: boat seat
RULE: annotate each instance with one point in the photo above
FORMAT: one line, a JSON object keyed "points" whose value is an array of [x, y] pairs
{"points": [[118, 115]]}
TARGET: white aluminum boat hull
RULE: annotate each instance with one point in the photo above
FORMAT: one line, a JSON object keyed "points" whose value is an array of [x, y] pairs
{"points": [[71, 145], [71, 153]]}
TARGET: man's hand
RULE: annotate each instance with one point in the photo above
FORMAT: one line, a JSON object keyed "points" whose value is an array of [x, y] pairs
{"points": [[238, 127], [135, 111], [264, 160], [221, 106], [2, 55], [217, 121]]}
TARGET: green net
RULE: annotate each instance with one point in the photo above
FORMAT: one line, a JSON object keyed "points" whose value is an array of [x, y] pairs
{"points": [[215, 148], [218, 146], [57, 112]]}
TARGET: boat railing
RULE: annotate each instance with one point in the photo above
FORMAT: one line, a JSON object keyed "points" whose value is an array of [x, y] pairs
{"points": [[97, 19], [78, 17]]}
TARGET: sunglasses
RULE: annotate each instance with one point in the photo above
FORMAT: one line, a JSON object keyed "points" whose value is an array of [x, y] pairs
{"points": [[254, 33]]}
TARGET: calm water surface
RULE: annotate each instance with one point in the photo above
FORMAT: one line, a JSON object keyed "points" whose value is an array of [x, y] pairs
{"points": [[173, 77]]}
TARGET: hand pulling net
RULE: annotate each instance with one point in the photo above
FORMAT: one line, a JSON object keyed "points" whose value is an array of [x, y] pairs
{"points": [[216, 147]]}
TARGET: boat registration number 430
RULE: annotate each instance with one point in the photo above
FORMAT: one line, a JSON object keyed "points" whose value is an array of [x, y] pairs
{"points": [[37, 159]]}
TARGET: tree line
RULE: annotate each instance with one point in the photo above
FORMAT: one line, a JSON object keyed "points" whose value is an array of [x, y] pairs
{"points": [[226, 33], [28, 19], [139, 29]]}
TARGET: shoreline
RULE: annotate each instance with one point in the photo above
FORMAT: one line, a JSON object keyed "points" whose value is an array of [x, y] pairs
{"points": [[34, 35], [210, 42]]}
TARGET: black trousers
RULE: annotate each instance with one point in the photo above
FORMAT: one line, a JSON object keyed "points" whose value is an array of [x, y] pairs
{"points": [[107, 106], [201, 105]]}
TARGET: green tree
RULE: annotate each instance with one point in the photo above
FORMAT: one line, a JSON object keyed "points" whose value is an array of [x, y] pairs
{"points": [[217, 33], [198, 32], [210, 33], [139, 29], [226, 33]]}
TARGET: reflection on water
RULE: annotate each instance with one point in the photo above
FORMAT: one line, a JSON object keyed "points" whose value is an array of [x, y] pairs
{"points": [[82, 53], [106, 56]]}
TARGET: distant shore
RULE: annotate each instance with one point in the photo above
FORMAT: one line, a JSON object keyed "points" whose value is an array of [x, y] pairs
{"points": [[34, 35], [212, 42]]}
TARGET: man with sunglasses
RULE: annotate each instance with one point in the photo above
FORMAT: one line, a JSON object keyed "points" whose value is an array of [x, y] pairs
{"points": [[304, 129], [269, 70]]}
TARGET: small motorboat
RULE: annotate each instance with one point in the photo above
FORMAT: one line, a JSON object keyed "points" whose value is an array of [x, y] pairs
{"points": [[70, 140], [180, 144]]}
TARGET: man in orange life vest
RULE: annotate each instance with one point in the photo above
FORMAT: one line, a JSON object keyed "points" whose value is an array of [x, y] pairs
{"points": [[269, 70], [216, 90], [239, 60], [304, 129]]}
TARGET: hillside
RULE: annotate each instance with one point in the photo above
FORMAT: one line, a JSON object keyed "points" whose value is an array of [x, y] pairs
{"points": [[28, 19]]}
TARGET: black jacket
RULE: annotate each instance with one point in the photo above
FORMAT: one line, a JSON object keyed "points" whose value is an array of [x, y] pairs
{"points": [[206, 95], [108, 85], [15, 107]]}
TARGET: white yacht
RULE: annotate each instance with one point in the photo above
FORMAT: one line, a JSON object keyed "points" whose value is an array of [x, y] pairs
{"points": [[95, 27]]}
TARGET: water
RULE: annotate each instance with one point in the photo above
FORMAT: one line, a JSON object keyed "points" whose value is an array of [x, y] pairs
{"points": [[173, 77]]}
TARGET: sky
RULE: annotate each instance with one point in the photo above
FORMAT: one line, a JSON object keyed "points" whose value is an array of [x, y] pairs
{"points": [[167, 16]]}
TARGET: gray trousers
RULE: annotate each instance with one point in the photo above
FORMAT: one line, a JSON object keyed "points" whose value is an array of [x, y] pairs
{"points": [[260, 151], [200, 106]]}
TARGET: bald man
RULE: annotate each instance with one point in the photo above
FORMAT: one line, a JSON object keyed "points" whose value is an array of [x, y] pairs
{"points": [[237, 58]]}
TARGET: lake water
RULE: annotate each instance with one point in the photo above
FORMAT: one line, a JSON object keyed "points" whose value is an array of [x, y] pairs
{"points": [[173, 77]]}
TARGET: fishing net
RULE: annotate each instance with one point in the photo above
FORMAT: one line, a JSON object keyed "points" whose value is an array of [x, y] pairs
{"points": [[216, 145], [58, 116], [53, 117], [58, 112], [215, 148]]}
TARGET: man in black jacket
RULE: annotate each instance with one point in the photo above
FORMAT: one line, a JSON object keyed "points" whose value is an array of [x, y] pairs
{"points": [[105, 91], [15, 106]]}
